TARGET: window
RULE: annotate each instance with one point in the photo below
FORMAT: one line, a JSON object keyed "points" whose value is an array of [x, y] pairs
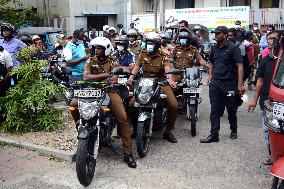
{"points": [[268, 3], [180, 4], [279, 76], [240, 2], [149, 5]]}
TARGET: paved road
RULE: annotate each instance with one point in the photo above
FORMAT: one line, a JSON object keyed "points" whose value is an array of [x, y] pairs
{"points": [[229, 164]]}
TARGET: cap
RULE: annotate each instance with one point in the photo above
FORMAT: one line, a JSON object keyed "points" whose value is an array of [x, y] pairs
{"points": [[61, 35], [35, 37], [221, 29]]}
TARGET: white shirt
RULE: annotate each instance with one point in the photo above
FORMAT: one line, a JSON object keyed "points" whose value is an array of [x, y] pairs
{"points": [[6, 59]]}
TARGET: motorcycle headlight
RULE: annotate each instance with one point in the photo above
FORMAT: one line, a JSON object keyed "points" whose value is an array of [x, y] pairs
{"points": [[270, 121], [88, 110], [144, 98], [192, 83]]}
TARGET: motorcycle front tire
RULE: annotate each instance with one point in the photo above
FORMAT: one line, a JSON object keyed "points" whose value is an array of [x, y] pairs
{"points": [[143, 138], [193, 120], [85, 163]]}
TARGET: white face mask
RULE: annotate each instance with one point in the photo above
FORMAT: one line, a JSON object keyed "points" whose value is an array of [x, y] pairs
{"points": [[150, 47], [255, 28], [120, 48]]}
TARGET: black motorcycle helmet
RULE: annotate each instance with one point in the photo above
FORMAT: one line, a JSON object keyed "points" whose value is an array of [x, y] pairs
{"points": [[122, 40], [7, 26], [185, 37], [154, 38]]}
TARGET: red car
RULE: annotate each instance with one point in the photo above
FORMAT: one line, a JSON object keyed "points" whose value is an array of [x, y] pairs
{"points": [[274, 120]]}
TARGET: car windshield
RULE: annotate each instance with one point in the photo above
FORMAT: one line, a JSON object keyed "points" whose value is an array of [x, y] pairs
{"points": [[53, 37], [279, 76]]}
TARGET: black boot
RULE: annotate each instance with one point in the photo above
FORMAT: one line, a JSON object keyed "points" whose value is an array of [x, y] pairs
{"points": [[210, 139], [234, 135], [128, 158], [170, 137]]}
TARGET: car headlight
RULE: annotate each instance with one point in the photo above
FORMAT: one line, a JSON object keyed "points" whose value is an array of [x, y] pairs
{"points": [[88, 110], [270, 121], [192, 83], [144, 98]]}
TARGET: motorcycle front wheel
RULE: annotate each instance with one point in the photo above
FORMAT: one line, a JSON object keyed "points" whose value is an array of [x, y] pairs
{"points": [[143, 138], [191, 114], [85, 162]]}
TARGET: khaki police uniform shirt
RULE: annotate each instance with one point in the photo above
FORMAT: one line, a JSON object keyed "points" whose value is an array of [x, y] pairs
{"points": [[184, 56], [167, 49], [96, 67], [135, 48], [153, 65]]}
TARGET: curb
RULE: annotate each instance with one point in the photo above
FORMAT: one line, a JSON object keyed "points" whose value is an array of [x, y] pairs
{"points": [[60, 154]]}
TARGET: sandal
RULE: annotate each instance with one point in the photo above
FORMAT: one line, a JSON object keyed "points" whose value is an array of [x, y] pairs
{"points": [[268, 162]]}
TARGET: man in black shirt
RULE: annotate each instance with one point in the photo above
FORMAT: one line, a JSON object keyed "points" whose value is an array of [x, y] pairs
{"points": [[265, 72], [226, 83]]}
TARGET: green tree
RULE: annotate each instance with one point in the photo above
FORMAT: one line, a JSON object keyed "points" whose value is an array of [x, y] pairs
{"points": [[26, 106], [20, 17]]}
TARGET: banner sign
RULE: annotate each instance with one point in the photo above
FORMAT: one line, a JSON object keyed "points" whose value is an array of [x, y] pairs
{"points": [[145, 22], [210, 17]]}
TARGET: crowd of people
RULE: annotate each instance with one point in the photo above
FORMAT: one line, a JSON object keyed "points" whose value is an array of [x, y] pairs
{"points": [[232, 62]]}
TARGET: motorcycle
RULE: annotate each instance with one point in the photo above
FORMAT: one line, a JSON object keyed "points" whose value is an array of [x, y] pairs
{"points": [[205, 50], [96, 124], [152, 108], [58, 73], [188, 93]]}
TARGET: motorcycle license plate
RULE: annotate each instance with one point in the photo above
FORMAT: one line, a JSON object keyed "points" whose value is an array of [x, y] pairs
{"points": [[192, 90], [122, 80], [278, 111], [88, 93]]}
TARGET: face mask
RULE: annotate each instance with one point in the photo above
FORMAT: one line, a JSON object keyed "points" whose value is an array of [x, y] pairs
{"points": [[183, 42], [255, 28], [150, 48], [120, 48]]}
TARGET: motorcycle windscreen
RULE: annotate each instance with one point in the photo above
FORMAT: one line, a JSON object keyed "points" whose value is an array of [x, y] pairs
{"points": [[146, 90], [192, 73]]}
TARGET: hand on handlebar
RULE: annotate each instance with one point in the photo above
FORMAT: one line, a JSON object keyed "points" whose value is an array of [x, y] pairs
{"points": [[173, 84]]}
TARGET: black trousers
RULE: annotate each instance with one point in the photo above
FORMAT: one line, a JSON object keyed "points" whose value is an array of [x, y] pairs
{"points": [[218, 91]]}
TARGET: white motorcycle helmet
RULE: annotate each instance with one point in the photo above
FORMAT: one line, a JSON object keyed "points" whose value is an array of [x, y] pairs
{"points": [[105, 28], [102, 42]]}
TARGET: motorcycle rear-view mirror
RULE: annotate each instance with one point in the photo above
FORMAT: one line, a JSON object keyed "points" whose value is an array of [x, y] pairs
{"points": [[175, 71], [202, 69]]}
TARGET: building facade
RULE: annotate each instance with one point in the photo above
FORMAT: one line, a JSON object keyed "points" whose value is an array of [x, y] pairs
{"points": [[76, 14]]}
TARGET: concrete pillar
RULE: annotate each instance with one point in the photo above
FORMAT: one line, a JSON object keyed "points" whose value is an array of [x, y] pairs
{"points": [[199, 3], [211, 3]]}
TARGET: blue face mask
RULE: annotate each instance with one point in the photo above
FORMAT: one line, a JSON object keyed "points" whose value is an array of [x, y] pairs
{"points": [[183, 42]]}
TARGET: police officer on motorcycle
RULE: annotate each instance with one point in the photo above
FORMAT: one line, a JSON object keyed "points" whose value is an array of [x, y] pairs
{"points": [[99, 69], [155, 64], [134, 45], [185, 55]]}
